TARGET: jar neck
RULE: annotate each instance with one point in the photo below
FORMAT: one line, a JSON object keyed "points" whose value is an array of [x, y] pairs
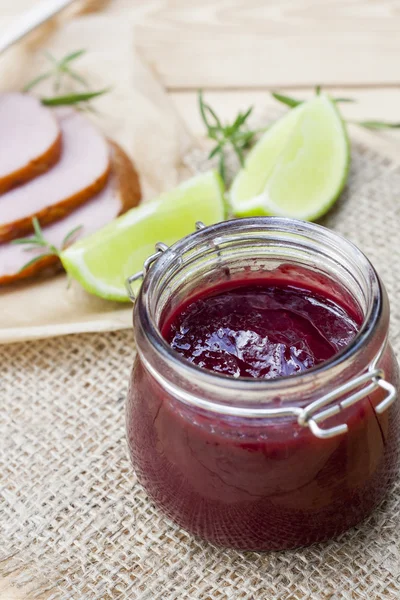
{"points": [[255, 248]]}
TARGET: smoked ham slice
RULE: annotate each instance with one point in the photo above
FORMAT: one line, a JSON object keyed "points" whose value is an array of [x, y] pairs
{"points": [[80, 173], [30, 139], [121, 193]]}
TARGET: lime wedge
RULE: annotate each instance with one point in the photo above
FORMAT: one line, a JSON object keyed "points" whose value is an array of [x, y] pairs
{"points": [[102, 261], [299, 166]]}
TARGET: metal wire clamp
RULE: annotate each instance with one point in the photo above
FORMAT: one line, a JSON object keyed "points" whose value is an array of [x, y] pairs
{"points": [[160, 248]]}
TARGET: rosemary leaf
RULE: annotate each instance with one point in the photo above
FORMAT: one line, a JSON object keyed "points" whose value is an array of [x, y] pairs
{"points": [[71, 99], [292, 102], [338, 100], [33, 261], [28, 241], [246, 114], [29, 86], [203, 110], [37, 229], [222, 170], [214, 152], [68, 238], [214, 116], [377, 124], [242, 118], [72, 56]]}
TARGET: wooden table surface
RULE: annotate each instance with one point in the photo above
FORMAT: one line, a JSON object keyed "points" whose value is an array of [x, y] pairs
{"points": [[238, 50]]}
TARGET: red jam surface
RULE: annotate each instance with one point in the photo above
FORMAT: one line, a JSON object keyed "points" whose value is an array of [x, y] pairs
{"points": [[263, 330], [260, 484]]}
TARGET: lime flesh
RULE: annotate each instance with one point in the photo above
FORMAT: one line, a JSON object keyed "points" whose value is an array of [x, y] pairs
{"points": [[299, 166], [102, 262]]}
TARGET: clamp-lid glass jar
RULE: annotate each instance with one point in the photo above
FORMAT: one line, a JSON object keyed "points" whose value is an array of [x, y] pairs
{"points": [[253, 463]]}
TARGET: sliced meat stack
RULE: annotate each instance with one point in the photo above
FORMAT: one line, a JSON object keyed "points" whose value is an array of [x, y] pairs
{"points": [[90, 184], [80, 173], [116, 197]]}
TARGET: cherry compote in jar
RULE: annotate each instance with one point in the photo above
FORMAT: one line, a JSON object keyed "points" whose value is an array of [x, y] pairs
{"points": [[261, 413]]}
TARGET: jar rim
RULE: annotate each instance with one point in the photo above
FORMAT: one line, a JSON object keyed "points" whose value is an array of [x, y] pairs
{"points": [[274, 224]]}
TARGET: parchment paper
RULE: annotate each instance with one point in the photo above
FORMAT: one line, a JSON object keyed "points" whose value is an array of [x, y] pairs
{"points": [[136, 113]]}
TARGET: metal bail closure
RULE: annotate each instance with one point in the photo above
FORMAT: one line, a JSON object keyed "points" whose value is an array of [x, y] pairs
{"points": [[311, 417], [160, 249]]}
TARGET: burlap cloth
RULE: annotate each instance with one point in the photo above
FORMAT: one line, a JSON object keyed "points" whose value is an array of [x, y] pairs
{"points": [[76, 524]]}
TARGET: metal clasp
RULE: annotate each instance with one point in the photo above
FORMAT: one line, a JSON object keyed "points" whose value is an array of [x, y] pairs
{"points": [[160, 248], [311, 417]]}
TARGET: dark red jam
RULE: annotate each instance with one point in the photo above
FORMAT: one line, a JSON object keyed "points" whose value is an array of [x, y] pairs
{"points": [[260, 330], [260, 484]]}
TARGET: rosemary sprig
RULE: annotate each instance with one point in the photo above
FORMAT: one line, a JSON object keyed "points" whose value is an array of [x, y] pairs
{"points": [[61, 69], [236, 134], [38, 241]]}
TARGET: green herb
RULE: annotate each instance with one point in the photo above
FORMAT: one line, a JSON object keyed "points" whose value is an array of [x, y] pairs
{"points": [[38, 241], [377, 124], [237, 134], [341, 100], [60, 72], [61, 69], [36, 81], [70, 99], [70, 236], [293, 102], [33, 261]]}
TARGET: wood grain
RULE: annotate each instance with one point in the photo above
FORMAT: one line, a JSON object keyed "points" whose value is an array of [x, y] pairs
{"points": [[254, 43]]}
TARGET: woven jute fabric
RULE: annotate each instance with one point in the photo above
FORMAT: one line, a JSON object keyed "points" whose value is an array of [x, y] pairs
{"points": [[75, 523]]}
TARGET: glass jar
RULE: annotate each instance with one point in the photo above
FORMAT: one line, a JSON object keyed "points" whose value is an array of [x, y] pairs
{"points": [[264, 464]]}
